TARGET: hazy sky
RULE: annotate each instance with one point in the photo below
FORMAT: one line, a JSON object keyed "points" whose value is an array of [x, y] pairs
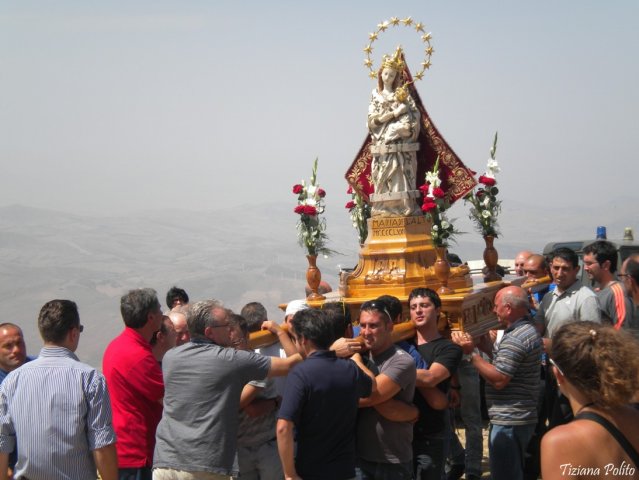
{"points": [[116, 105]]}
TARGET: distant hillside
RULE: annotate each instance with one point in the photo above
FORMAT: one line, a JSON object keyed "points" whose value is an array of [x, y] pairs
{"points": [[237, 255]]}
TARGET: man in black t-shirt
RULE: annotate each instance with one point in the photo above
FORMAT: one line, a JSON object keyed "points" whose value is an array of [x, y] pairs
{"points": [[443, 358]]}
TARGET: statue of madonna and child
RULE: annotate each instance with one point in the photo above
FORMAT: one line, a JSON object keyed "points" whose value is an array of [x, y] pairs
{"points": [[393, 123]]}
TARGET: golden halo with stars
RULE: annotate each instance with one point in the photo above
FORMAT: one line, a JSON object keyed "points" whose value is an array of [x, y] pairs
{"points": [[394, 22]]}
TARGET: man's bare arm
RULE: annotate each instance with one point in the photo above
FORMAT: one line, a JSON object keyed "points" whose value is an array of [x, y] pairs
{"points": [[432, 377], [106, 461], [489, 372], [434, 397], [282, 336], [249, 392], [386, 389], [286, 448], [4, 466], [397, 411], [357, 358], [281, 366]]}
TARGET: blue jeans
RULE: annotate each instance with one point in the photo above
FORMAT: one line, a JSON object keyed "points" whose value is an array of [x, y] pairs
{"points": [[507, 446], [429, 456], [470, 410], [383, 471]]}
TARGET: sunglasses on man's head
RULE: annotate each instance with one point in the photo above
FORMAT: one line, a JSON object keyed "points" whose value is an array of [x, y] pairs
{"points": [[378, 306]]}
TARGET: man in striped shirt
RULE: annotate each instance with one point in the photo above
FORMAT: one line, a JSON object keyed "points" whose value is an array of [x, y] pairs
{"points": [[512, 383], [57, 409]]}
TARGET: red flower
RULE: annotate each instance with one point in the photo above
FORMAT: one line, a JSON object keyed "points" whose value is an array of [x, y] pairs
{"points": [[480, 192], [310, 210], [299, 209], [297, 189], [321, 192], [424, 189], [488, 181], [438, 192], [350, 205], [350, 190], [428, 205]]}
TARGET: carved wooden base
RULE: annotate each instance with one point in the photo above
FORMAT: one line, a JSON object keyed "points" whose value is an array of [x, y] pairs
{"points": [[397, 257]]}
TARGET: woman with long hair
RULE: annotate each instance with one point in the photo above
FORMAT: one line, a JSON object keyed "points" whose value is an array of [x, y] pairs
{"points": [[597, 369]]}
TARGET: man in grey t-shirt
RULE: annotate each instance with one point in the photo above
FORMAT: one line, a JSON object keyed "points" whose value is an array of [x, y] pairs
{"points": [[384, 447], [203, 381], [570, 301]]}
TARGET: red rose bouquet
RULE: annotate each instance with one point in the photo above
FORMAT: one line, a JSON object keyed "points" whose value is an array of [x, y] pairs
{"points": [[310, 205], [484, 204]]}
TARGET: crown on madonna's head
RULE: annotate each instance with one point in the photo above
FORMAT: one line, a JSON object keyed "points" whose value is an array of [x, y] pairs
{"points": [[395, 62]]}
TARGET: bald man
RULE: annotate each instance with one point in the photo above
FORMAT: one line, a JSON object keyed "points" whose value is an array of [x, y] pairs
{"points": [[536, 267], [13, 351], [512, 382], [178, 317], [520, 259]]}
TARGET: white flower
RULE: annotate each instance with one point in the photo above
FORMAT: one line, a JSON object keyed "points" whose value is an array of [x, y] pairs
{"points": [[486, 214], [435, 228], [310, 201], [433, 179], [311, 190], [445, 225], [492, 167], [486, 201]]}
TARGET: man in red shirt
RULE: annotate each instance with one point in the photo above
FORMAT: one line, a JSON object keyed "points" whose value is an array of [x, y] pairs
{"points": [[135, 384]]}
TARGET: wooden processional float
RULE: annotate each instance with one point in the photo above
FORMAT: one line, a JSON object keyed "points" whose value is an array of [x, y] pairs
{"points": [[389, 173]]}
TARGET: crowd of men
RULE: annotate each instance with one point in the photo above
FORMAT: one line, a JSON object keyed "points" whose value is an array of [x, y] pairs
{"points": [[181, 396]]}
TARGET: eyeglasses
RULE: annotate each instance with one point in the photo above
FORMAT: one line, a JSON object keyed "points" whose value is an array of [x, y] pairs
{"points": [[552, 362], [378, 306], [621, 275]]}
